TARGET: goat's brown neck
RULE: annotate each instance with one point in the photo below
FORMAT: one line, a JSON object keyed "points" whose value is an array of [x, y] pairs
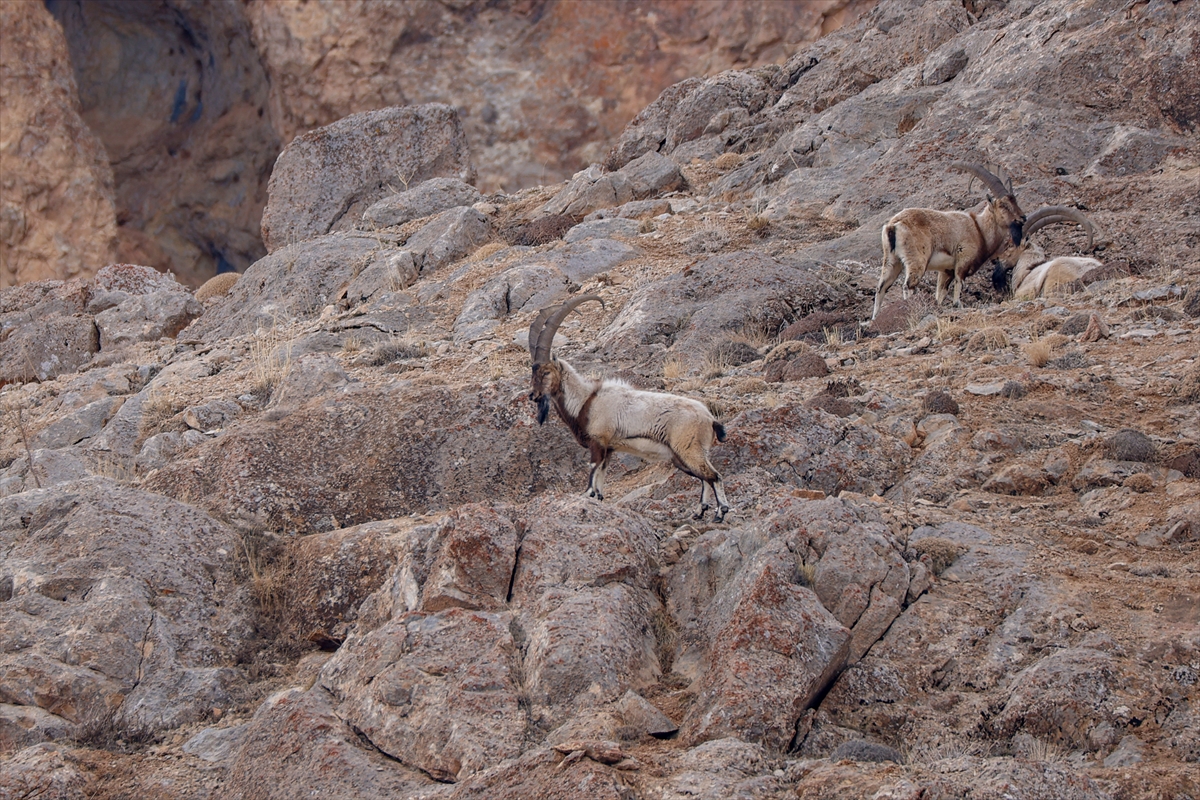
{"points": [[984, 248], [578, 423]]}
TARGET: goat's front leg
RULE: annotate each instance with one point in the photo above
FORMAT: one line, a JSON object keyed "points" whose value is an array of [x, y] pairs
{"points": [[596, 479]]}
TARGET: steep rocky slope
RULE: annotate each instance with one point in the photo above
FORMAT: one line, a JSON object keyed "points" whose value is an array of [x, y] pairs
{"points": [[309, 533]]}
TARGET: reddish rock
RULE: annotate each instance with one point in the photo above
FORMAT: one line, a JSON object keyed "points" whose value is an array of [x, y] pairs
{"points": [[57, 212]]}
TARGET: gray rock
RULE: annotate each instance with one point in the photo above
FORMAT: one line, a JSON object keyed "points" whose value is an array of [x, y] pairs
{"points": [[216, 744], [147, 318], [637, 712], [50, 466], [758, 623], [526, 287], [292, 282], [212, 415], [78, 424], [943, 65], [603, 229], [325, 755], [123, 607], [448, 237], [325, 179], [682, 312], [437, 691], [48, 347], [586, 259], [425, 449], [650, 174], [430, 197], [861, 750], [583, 587], [391, 271], [306, 377]]}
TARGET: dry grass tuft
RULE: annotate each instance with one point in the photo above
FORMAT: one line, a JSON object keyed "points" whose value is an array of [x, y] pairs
{"points": [[991, 338], [674, 369], [727, 161], [1038, 352], [807, 573], [395, 349], [759, 225], [486, 251]]}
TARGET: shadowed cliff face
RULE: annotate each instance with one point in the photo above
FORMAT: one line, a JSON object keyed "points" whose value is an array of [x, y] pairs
{"points": [[176, 93]]}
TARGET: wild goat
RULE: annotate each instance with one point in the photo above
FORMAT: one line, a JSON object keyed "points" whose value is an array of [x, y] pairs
{"points": [[1025, 268], [609, 415], [952, 243]]}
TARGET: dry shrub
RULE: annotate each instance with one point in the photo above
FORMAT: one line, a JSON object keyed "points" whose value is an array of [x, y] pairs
{"points": [[673, 369], [750, 386], [1038, 352], [727, 161], [733, 352], [991, 338], [394, 350], [759, 225], [1188, 388], [709, 239], [812, 327], [939, 402], [838, 406], [486, 251], [939, 553], [539, 231]]}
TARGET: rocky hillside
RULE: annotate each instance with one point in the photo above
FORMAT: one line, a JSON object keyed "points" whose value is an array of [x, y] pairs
{"points": [[190, 101], [304, 530]]}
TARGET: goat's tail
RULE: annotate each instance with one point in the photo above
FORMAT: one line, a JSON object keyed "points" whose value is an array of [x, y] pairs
{"points": [[719, 430], [891, 237]]}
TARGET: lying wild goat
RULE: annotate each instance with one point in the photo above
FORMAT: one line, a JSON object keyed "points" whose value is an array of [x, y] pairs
{"points": [[952, 243], [1025, 269], [609, 415]]}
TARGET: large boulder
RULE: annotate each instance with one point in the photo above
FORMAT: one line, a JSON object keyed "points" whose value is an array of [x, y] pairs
{"points": [[326, 179], [123, 608]]}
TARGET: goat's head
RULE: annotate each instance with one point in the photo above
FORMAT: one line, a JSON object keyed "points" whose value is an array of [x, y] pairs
{"points": [[1005, 209], [547, 374], [1007, 259]]}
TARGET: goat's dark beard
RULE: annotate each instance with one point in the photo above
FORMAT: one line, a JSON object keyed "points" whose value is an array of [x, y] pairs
{"points": [[1000, 277], [543, 404]]}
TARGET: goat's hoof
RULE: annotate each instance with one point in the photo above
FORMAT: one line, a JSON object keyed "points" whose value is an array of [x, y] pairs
{"points": [[700, 514], [721, 512]]}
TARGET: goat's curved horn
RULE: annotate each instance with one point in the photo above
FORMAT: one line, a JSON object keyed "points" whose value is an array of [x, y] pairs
{"points": [[545, 325], [995, 184], [1049, 215]]}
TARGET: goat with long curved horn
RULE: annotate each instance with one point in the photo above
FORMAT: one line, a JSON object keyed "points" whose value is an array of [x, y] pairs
{"points": [[609, 415], [1025, 267], [952, 243]]}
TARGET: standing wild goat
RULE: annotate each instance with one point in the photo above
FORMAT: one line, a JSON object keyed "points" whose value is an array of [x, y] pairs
{"points": [[952, 243], [1025, 269], [609, 415]]}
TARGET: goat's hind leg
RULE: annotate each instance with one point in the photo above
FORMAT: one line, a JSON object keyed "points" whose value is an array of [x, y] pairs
{"points": [[889, 272], [718, 491]]}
